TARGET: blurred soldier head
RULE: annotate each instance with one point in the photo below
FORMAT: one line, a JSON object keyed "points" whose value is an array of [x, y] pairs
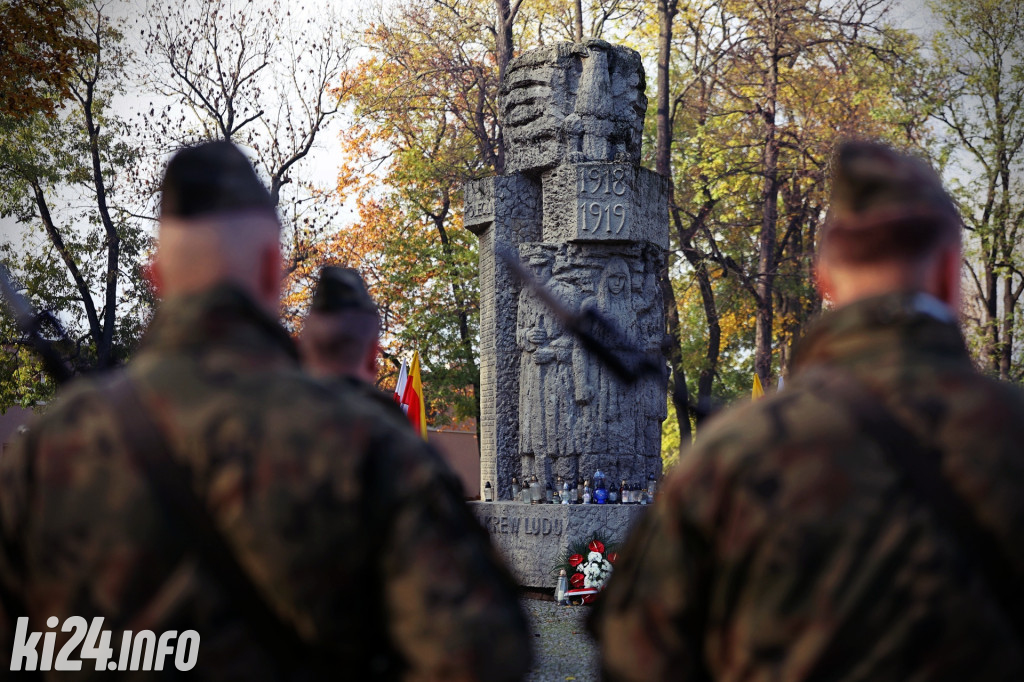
{"points": [[340, 337], [890, 227], [217, 225]]}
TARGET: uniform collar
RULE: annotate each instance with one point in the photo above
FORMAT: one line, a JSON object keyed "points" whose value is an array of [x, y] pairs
{"points": [[893, 326], [224, 316]]}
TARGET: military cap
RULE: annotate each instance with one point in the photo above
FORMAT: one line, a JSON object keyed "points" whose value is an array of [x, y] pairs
{"points": [[341, 289], [211, 177], [885, 203], [871, 179]]}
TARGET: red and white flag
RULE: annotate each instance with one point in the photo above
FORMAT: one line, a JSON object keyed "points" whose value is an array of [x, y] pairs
{"points": [[403, 382]]}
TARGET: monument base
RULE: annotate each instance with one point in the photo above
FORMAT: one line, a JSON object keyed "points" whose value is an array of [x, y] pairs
{"points": [[532, 537]]}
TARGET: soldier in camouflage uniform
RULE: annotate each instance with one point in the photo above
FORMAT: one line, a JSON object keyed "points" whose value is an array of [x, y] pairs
{"points": [[352, 530], [792, 542], [340, 338]]}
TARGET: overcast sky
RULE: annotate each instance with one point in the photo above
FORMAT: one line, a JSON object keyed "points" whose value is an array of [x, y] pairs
{"points": [[323, 162]]}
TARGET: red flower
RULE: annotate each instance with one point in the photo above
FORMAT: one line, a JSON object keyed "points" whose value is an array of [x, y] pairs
{"points": [[576, 580], [589, 599], [575, 560], [612, 556], [596, 546]]}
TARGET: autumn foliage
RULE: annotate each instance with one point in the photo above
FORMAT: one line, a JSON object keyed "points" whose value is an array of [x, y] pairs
{"points": [[40, 49]]}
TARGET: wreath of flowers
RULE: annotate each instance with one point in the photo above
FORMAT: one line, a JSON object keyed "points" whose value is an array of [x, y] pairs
{"points": [[589, 564]]}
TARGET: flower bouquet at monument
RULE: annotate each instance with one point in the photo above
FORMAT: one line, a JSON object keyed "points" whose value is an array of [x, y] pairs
{"points": [[587, 565]]}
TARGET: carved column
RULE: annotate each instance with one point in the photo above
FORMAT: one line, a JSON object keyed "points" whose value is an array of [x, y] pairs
{"points": [[504, 212], [593, 225]]}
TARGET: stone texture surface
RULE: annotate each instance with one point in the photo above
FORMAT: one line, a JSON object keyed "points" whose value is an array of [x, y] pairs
{"points": [[575, 416], [593, 227], [531, 537], [605, 202], [504, 211], [573, 102]]}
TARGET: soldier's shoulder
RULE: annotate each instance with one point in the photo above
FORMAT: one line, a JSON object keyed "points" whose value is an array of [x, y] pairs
{"points": [[373, 396], [763, 445], [992, 392], [409, 457], [79, 399], [788, 418]]}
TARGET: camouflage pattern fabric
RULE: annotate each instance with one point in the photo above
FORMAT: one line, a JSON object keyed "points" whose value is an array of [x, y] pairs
{"points": [[785, 546], [385, 401], [353, 528]]}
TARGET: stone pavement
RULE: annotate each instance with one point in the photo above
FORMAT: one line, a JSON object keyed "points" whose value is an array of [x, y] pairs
{"points": [[562, 648]]}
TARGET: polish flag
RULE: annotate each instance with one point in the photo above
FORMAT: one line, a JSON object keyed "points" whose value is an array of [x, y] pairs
{"points": [[403, 381]]}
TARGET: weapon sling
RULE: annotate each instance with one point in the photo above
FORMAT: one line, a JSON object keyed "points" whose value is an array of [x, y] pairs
{"points": [[169, 481], [921, 468]]}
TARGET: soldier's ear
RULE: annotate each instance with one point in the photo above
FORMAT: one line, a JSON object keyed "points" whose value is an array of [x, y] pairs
{"points": [[823, 280], [152, 275], [370, 361], [270, 275], [946, 288]]}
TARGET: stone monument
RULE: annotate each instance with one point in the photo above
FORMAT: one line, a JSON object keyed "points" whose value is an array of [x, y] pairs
{"points": [[592, 226]]}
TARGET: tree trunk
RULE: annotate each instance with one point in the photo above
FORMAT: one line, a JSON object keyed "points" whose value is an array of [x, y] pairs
{"points": [[663, 144], [769, 218], [1006, 345], [105, 347], [503, 45], [459, 295], [991, 316], [663, 165], [578, 16], [678, 390], [707, 373], [95, 329]]}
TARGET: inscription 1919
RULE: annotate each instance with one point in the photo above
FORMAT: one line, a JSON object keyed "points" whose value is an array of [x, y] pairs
{"points": [[602, 213]]}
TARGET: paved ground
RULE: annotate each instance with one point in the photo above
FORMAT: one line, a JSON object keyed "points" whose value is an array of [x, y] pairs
{"points": [[562, 647]]}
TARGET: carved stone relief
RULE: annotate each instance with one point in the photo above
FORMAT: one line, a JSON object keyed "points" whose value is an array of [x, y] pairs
{"points": [[573, 102], [572, 119]]}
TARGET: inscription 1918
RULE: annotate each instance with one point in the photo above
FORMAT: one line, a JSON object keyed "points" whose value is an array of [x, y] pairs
{"points": [[602, 210]]}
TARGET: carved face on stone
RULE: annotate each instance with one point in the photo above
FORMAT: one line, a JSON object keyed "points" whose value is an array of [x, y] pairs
{"points": [[573, 101], [541, 267], [615, 276], [616, 282]]}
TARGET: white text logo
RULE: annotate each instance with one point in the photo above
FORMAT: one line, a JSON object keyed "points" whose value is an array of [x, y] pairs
{"points": [[141, 650]]}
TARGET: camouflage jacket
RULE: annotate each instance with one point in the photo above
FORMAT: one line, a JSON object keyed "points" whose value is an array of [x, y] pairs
{"points": [[373, 394], [786, 547], [353, 528]]}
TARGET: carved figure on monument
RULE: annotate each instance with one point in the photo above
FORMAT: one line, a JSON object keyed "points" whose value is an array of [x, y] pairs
{"points": [[537, 355], [654, 389], [563, 396], [593, 225], [612, 413], [589, 127], [573, 101]]}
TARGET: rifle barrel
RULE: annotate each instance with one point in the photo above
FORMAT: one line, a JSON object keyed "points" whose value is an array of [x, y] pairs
{"points": [[30, 323]]}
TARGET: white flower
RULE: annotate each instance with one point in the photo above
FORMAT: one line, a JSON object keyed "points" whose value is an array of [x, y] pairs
{"points": [[595, 570]]}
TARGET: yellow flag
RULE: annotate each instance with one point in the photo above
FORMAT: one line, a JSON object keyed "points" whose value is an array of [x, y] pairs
{"points": [[419, 403], [758, 392]]}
